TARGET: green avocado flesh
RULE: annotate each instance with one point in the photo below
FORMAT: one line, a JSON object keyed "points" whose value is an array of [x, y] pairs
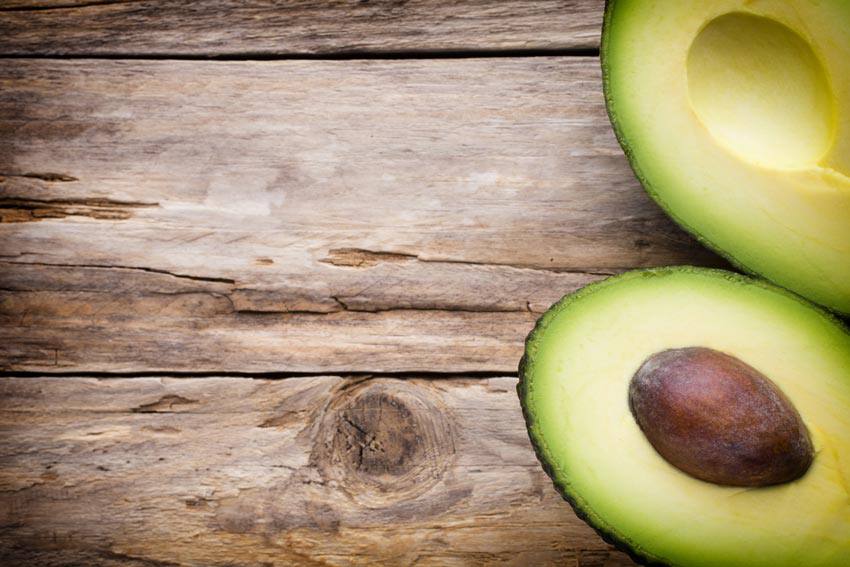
{"points": [[735, 116], [574, 388]]}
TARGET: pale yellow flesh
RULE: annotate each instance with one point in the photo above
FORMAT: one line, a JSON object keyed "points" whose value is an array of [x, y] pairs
{"points": [[581, 364], [760, 90], [738, 120]]}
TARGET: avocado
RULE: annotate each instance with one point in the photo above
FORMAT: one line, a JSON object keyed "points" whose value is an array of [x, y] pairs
{"points": [[696, 418], [735, 117]]}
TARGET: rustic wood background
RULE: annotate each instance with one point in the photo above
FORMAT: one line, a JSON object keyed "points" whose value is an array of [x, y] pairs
{"points": [[266, 269]]}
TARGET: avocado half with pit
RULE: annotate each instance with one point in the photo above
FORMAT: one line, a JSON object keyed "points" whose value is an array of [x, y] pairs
{"points": [[696, 418], [735, 116]]}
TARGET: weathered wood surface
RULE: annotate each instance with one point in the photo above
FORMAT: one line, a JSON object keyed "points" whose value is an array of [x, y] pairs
{"points": [[286, 27], [352, 216], [304, 471], [310, 216]]}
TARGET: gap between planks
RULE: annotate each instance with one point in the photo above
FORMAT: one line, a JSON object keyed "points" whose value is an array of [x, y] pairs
{"points": [[424, 375], [338, 56]]}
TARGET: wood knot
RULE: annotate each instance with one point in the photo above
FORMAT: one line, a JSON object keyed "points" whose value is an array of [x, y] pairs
{"points": [[384, 441]]}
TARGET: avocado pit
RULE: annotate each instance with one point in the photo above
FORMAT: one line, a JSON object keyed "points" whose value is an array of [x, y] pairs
{"points": [[718, 419]]}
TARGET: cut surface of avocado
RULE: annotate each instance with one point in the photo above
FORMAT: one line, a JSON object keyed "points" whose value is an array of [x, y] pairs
{"points": [[589, 349], [735, 116]]}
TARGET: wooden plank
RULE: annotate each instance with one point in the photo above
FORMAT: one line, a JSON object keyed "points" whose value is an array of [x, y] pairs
{"points": [[306, 216], [263, 28], [306, 471]]}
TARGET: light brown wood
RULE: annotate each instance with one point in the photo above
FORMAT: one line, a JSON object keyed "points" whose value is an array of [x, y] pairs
{"points": [[306, 216], [402, 216], [305, 471], [263, 27]]}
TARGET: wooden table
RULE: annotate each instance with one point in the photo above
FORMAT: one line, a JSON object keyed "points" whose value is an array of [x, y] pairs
{"points": [[267, 268]]}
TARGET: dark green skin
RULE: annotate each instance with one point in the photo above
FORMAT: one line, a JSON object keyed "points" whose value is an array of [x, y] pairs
{"points": [[604, 531]]}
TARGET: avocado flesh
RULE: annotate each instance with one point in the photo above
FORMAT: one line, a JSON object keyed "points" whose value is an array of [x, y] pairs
{"points": [[735, 116], [574, 383]]}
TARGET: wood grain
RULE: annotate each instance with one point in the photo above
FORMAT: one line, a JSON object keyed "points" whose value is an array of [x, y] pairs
{"points": [[285, 28], [307, 471], [306, 216]]}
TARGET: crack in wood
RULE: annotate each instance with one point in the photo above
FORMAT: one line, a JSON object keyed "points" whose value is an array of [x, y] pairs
{"points": [[120, 267], [42, 176], [109, 554], [346, 306], [19, 489], [364, 258], [164, 405], [66, 6], [16, 209]]}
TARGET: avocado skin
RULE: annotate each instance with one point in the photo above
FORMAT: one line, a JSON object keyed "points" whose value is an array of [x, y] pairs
{"points": [[610, 109], [607, 535], [598, 526]]}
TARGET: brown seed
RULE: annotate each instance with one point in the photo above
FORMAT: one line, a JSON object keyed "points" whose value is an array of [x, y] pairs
{"points": [[719, 419]]}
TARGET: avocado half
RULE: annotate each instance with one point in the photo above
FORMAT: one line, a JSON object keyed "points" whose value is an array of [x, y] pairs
{"points": [[735, 116], [575, 378]]}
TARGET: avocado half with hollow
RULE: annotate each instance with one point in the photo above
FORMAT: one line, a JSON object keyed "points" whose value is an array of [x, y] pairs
{"points": [[696, 418], [735, 116]]}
